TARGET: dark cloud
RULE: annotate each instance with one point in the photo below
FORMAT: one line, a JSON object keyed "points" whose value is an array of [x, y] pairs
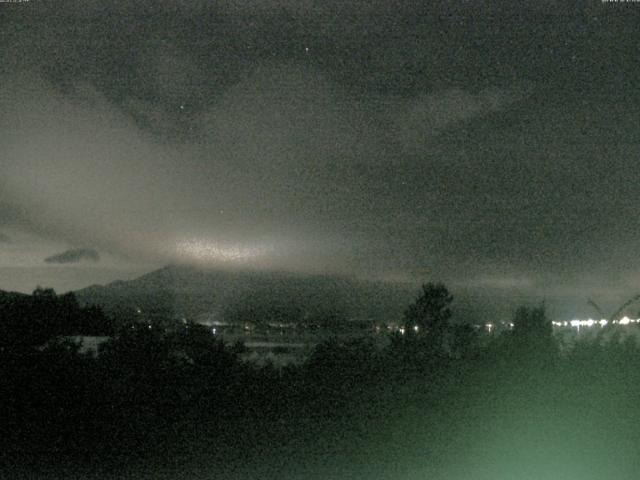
{"points": [[74, 256]]}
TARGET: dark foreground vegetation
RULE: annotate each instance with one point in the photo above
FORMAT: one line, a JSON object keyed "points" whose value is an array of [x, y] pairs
{"points": [[440, 402]]}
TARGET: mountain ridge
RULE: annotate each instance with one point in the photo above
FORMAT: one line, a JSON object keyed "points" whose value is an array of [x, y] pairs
{"points": [[190, 291]]}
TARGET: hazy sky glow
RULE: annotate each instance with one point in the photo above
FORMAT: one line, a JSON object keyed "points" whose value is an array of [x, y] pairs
{"points": [[491, 145]]}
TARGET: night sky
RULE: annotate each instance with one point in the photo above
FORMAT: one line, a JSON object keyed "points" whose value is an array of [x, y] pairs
{"points": [[493, 145]]}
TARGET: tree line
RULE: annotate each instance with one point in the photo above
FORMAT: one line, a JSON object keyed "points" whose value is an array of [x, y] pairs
{"points": [[183, 398]]}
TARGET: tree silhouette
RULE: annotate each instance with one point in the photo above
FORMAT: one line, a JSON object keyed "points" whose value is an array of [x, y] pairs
{"points": [[532, 323], [464, 341], [29, 321], [429, 315], [532, 336]]}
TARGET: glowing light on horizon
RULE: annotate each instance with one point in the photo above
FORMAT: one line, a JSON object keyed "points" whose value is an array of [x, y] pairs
{"points": [[211, 251], [576, 323]]}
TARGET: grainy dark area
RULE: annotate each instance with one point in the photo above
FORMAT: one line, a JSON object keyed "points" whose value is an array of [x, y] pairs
{"points": [[224, 227]]}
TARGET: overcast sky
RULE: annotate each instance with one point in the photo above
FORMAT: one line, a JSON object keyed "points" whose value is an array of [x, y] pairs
{"points": [[490, 144]]}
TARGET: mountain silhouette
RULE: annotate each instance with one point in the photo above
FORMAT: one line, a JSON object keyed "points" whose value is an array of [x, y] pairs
{"points": [[200, 293]]}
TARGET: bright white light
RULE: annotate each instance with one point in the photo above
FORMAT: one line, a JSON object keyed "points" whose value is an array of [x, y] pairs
{"points": [[212, 251], [576, 323], [416, 328]]}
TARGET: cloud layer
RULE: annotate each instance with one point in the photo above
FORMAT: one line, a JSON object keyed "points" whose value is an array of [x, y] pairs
{"points": [[337, 137], [76, 255]]}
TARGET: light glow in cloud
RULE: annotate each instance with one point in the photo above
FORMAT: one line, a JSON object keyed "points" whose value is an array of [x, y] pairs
{"points": [[208, 251]]}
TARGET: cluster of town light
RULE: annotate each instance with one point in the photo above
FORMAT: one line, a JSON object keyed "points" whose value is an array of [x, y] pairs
{"points": [[403, 330], [591, 322], [576, 323]]}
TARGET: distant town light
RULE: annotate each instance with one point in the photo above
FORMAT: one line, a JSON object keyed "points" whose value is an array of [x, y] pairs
{"points": [[577, 323]]}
